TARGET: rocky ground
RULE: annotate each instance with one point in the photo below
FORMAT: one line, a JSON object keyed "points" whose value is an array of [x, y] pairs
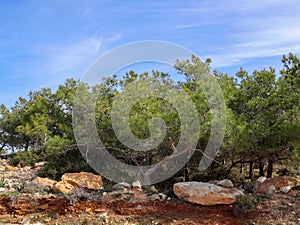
{"points": [[21, 202]]}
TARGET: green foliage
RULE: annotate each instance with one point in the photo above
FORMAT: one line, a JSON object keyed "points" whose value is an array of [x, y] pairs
{"points": [[19, 186], [244, 204], [262, 110], [3, 182], [26, 158]]}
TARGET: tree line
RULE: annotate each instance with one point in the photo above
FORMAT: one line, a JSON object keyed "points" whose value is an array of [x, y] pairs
{"points": [[262, 130]]}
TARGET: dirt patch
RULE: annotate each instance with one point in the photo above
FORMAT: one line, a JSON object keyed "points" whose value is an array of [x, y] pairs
{"points": [[55, 209]]}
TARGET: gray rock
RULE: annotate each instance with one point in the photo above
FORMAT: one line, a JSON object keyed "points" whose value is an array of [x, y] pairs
{"points": [[154, 197], [271, 190], [285, 189], [162, 196], [261, 179], [151, 189], [136, 185], [121, 186], [205, 193], [226, 183], [39, 164]]}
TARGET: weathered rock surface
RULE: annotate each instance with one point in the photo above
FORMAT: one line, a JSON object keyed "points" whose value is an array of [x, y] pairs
{"points": [[205, 193], [136, 185], [121, 186], [285, 189], [45, 182], [226, 183], [83, 179], [63, 187], [261, 179], [277, 182]]}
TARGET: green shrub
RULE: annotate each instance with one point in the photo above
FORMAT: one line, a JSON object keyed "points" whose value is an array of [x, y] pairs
{"points": [[25, 158], [244, 204], [61, 162], [19, 186], [3, 182]]}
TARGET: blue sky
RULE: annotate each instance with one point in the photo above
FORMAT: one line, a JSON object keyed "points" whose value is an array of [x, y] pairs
{"points": [[44, 42]]}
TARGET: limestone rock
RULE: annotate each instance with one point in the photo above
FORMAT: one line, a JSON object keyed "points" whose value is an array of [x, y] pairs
{"points": [[277, 182], [285, 189], [136, 185], [151, 189], [63, 187], [162, 196], [84, 180], [45, 182], [261, 179], [9, 168], [271, 190], [205, 193], [226, 183], [155, 197], [39, 164], [121, 186]]}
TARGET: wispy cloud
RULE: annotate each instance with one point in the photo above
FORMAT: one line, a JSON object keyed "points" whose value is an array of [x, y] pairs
{"points": [[71, 57]]}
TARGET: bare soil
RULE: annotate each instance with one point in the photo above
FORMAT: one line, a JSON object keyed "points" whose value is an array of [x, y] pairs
{"points": [[55, 209]]}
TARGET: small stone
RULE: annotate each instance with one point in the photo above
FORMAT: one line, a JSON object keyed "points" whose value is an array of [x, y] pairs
{"points": [[9, 168], [271, 190], [88, 210], [99, 210], [154, 197], [261, 179], [2, 189], [162, 196], [285, 189], [151, 189], [44, 206], [139, 207], [39, 164], [121, 186], [136, 185], [226, 183]]}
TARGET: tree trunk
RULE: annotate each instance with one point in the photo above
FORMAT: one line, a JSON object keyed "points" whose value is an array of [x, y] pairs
{"points": [[241, 168], [251, 170], [270, 168], [26, 146], [261, 166], [186, 173]]}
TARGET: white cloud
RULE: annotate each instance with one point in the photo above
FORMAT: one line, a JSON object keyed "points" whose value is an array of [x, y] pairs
{"points": [[74, 56]]}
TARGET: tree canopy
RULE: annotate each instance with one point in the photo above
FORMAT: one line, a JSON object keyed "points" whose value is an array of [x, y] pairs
{"points": [[262, 110]]}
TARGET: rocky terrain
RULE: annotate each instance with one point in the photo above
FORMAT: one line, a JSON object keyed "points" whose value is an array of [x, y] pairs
{"points": [[81, 198]]}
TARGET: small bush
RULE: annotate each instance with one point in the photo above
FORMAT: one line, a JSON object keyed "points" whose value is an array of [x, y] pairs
{"points": [[79, 194], [19, 186], [25, 158], [3, 182], [296, 188], [244, 204], [33, 187]]}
